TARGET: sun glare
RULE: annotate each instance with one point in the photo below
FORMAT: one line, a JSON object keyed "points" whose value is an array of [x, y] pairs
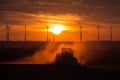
{"points": [[57, 28]]}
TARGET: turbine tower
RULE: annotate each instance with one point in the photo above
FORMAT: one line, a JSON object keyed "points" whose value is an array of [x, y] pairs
{"points": [[7, 32], [80, 33], [25, 33], [111, 33], [98, 32], [53, 35], [47, 32]]}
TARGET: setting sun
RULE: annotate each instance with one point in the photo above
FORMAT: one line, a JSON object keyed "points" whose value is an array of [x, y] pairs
{"points": [[57, 28]]}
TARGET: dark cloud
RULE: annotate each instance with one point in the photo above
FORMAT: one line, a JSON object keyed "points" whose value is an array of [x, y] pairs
{"points": [[102, 2], [34, 6], [103, 11]]}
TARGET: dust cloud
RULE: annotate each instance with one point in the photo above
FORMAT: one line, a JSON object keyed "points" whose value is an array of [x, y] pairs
{"points": [[48, 54]]}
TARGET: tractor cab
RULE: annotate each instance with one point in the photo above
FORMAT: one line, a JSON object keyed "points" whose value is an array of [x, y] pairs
{"points": [[65, 57]]}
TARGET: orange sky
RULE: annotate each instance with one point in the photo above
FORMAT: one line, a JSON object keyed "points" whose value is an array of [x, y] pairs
{"points": [[37, 31], [37, 14]]}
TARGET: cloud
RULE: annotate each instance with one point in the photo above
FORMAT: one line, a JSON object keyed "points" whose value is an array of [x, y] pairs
{"points": [[102, 2], [20, 18], [91, 11]]}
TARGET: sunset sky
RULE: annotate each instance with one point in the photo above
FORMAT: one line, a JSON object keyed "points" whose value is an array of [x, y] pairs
{"points": [[37, 14]]}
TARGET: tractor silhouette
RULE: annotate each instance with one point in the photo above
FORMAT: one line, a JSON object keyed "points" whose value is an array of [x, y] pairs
{"points": [[65, 57]]}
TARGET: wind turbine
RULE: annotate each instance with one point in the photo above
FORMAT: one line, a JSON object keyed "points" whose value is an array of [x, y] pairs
{"points": [[47, 31], [7, 32], [25, 33], [111, 33], [98, 32], [80, 33], [53, 35]]}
